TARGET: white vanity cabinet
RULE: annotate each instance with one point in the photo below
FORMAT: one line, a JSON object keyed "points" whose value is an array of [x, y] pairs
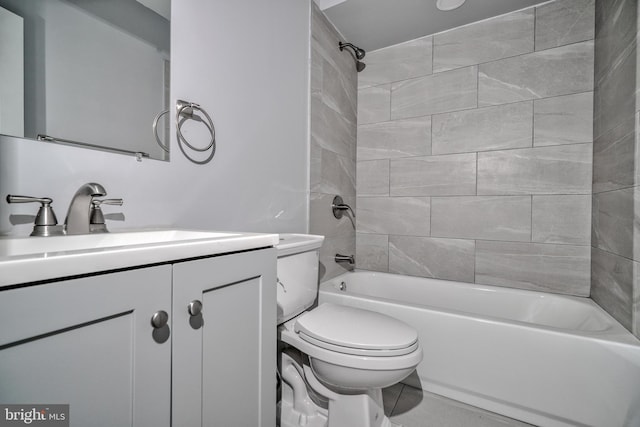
{"points": [[224, 358], [90, 342]]}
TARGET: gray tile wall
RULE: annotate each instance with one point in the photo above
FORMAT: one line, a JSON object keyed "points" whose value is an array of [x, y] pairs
{"points": [[333, 142], [615, 281], [474, 152]]}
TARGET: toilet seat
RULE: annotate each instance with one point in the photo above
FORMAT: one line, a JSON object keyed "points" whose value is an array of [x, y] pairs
{"points": [[292, 338], [355, 331], [359, 351], [320, 334]]}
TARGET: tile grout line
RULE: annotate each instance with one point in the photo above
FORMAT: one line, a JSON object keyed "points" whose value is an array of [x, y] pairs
{"points": [[535, 21], [389, 258], [489, 61], [628, 187], [477, 172], [433, 48], [477, 86], [465, 109], [533, 135], [614, 254], [476, 240], [389, 184], [475, 260], [480, 195], [531, 221], [497, 150]]}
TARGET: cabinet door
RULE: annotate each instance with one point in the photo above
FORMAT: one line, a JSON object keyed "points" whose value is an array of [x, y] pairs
{"points": [[224, 360], [88, 342]]}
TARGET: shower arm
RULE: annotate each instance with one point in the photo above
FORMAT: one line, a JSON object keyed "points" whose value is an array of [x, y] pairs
{"points": [[359, 53]]}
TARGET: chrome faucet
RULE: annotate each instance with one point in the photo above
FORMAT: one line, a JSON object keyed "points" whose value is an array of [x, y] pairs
{"points": [[338, 207], [78, 216], [345, 258]]}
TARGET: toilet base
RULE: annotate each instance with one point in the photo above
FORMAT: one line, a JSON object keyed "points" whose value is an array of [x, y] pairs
{"points": [[351, 410], [297, 409], [289, 417]]}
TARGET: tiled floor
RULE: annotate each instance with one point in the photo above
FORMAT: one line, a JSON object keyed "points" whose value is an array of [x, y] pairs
{"points": [[413, 407]]}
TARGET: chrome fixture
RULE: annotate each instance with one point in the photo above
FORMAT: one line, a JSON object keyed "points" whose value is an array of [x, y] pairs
{"points": [[47, 138], [46, 223], [344, 258], [195, 314], [186, 110], [159, 319], [161, 331], [338, 207], [96, 219], [78, 216], [358, 54]]}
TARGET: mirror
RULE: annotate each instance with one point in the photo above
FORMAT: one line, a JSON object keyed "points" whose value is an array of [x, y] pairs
{"points": [[93, 73]]}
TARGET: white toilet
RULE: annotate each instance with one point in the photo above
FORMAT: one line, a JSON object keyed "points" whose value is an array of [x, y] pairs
{"points": [[344, 356]]}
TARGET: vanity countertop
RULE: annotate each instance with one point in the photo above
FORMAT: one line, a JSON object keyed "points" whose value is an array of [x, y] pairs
{"points": [[33, 259]]}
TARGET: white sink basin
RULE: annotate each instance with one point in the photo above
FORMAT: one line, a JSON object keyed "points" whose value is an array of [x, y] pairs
{"points": [[39, 245], [29, 259]]}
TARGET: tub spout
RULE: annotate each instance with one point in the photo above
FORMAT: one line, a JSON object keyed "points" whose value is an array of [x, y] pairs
{"points": [[345, 258]]}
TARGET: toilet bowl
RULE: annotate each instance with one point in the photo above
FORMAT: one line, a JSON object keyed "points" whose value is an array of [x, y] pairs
{"points": [[354, 349], [349, 354]]}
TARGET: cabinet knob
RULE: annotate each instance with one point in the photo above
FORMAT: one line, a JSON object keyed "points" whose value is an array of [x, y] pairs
{"points": [[159, 319], [195, 307]]}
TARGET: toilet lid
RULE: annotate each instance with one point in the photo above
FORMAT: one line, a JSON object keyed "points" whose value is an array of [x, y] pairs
{"points": [[343, 328]]}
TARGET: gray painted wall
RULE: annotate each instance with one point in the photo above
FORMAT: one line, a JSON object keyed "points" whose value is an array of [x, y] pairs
{"points": [[333, 142], [615, 239], [474, 152], [258, 179]]}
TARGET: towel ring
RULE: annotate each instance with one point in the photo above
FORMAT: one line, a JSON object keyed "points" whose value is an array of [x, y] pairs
{"points": [[185, 111]]}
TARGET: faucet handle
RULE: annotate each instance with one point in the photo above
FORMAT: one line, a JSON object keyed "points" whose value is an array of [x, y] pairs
{"points": [[95, 203], [338, 206], [12, 198], [46, 221], [96, 213], [96, 220]]}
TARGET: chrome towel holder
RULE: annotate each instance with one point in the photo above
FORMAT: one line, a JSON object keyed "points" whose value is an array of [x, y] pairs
{"points": [[186, 110]]}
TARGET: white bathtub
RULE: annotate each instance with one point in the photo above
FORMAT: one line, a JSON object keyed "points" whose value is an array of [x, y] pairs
{"points": [[546, 359]]}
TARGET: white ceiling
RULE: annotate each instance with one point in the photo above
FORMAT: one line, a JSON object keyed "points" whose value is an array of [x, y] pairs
{"points": [[374, 24]]}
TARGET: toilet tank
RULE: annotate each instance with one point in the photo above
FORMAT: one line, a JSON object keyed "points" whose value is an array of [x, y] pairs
{"points": [[298, 260]]}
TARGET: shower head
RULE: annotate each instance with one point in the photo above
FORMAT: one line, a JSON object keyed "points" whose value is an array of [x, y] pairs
{"points": [[359, 53]]}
